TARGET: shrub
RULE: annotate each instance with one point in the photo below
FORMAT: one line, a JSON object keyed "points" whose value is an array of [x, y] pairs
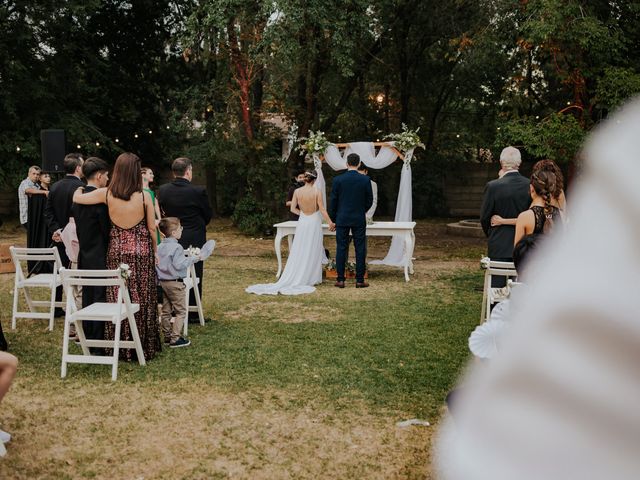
{"points": [[251, 217]]}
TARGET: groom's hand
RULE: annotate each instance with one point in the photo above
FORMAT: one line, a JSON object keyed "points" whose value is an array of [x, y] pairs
{"points": [[332, 227]]}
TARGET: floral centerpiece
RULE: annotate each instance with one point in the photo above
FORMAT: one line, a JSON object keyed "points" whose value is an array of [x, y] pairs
{"points": [[315, 144], [349, 270], [406, 140]]}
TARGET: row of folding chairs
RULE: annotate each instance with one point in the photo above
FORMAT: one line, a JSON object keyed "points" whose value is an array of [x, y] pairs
{"points": [[106, 312]]}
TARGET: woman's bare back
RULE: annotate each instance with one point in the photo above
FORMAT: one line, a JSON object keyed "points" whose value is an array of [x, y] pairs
{"points": [[126, 213], [307, 200]]}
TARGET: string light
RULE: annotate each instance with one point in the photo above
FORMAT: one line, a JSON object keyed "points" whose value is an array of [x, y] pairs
{"points": [[568, 103], [135, 135], [117, 140], [78, 146], [537, 117], [17, 149], [150, 132], [168, 127], [97, 144], [458, 136]]}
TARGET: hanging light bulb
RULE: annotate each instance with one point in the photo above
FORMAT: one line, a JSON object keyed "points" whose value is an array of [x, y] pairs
{"points": [[17, 149], [150, 132], [167, 127], [117, 140], [135, 135], [97, 144], [78, 146], [458, 136]]}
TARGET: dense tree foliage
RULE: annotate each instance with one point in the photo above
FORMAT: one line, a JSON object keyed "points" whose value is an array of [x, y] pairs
{"points": [[213, 78]]}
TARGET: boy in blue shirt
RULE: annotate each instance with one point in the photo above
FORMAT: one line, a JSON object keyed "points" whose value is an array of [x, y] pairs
{"points": [[172, 268]]}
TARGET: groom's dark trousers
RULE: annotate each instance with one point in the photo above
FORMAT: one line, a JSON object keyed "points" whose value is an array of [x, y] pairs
{"points": [[342, 250]]}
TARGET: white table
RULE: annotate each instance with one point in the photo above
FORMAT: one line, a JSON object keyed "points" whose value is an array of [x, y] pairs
{"points": [[376, 229]]}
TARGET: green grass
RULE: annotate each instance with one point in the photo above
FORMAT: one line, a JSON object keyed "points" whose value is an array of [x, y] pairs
{"points": [[399, 348]]}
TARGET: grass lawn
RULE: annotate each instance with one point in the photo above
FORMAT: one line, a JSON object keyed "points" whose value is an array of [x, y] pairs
{"points": [[274, 387]]}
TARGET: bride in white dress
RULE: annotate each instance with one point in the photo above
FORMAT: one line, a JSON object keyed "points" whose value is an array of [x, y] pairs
{"points": [[304, 265]]}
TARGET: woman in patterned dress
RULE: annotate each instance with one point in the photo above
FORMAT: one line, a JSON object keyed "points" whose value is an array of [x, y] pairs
{"points": [[131, 241]]}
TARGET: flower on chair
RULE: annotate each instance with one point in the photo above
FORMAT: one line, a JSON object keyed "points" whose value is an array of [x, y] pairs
{"points": [[484, 262], [125, 271], [193, 251]]}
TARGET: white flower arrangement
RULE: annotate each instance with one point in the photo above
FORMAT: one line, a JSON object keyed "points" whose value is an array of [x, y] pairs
{"points": [[406, 140], [484, 262], [125, 271], [193, 251], [315, 143]]}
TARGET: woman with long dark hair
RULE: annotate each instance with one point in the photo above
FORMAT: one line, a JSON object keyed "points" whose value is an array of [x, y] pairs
{"points": [[132, 242]]}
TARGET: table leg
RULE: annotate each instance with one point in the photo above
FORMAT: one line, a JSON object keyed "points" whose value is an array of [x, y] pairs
{"points": [[413, 245], [408, 251], [278, 242]]}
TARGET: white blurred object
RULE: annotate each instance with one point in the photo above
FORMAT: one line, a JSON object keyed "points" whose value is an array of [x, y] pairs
{"points": [[561, 399], [413, 421], [484, 340]]}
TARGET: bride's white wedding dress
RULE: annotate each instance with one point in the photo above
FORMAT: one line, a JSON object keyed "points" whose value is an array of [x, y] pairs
{"points": [[304, 265]]}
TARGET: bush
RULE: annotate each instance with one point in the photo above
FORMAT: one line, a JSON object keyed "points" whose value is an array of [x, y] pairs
{"points": [[251, 217]]}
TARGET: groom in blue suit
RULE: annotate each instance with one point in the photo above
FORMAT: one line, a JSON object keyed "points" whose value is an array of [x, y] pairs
{"points": [[351, 198]]}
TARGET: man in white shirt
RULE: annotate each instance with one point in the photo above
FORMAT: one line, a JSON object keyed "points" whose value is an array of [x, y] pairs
{"points": [[29, 186], [362, 168]]}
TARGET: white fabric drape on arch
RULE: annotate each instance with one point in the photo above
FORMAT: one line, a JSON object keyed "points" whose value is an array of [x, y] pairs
{"points": [[385, 157]]}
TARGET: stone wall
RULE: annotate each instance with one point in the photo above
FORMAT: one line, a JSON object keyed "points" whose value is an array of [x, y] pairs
{"points": [[464, 187]]}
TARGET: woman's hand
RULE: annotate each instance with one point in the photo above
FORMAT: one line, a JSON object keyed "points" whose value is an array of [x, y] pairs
{"points": [[496, 220]]}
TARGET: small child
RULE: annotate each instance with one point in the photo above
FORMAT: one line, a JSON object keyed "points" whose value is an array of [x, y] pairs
{"points": [[172, 269]]}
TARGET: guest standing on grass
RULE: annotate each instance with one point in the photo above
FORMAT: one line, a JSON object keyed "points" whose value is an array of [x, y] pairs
{"points": [[172, 270], [37, 231], [147, 180], [507, 197], [29, 186], [92, 228], [132, 242], [58, 210], [190, 204]]}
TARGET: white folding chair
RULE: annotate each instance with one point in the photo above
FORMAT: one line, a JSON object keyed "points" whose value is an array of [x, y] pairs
{"points": [[22, 282], [103, 312], [492, 295], [191, 281]]}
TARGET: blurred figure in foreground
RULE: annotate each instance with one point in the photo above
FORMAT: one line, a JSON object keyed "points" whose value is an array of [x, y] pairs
{"points": [[561, 399]]}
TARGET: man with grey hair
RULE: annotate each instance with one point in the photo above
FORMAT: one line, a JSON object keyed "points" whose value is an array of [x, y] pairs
{"points": [[507, 197]]}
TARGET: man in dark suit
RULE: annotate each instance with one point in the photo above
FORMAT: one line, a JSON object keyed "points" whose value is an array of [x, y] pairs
{"points": [[506, 196], [351, 197], [92, 228], [190, 204], [58, 207]]}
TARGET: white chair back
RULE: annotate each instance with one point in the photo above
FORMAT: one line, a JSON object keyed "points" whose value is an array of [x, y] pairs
{"points": [[106, 312], [23, 282], [495, 268]]}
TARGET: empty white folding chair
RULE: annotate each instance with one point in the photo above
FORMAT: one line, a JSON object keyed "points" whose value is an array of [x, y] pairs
{"points": [[24, 283], [192, 282], [491, 295], [103, 312]]}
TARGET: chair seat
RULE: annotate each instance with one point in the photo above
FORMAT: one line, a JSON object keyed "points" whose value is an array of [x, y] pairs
{"points": [[42, 279], [104, 310]]}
